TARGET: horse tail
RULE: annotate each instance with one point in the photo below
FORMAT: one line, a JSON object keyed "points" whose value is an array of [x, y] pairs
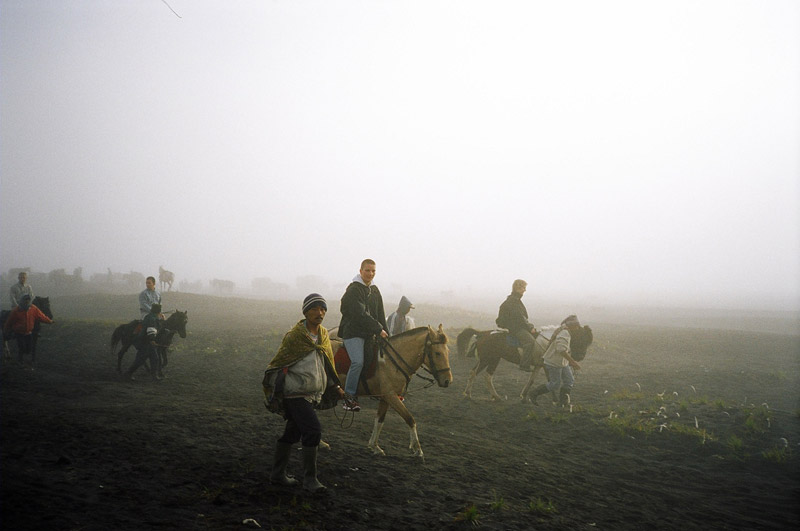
{"points": [[463, 339]]}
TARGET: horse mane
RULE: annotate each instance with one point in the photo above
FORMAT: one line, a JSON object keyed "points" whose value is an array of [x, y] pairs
{"points": [[410, 332], [582, 338], [414, 331]]}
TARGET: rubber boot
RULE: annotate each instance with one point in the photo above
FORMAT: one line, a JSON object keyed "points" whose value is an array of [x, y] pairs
{"points": [[281, 460], [536, 393], [310, 481], [563, 397]]}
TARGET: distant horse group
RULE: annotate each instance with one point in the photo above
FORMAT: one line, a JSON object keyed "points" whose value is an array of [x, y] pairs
{"points": [[43, 303]]}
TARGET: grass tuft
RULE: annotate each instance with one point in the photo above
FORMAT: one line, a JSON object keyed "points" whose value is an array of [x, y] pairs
{"points": [[498, 503], [542, 507], [469, 514]]}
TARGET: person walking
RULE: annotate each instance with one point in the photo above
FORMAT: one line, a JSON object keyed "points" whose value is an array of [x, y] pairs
{"points": [[558, 363], [300, 376], [21, 321]]}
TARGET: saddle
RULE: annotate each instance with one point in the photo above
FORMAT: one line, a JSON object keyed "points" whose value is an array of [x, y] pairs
{"points": [[511, 341]]}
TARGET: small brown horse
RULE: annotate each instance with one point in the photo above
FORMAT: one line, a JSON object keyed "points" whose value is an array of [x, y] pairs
{"points": [[493, 346], [403, 355]]}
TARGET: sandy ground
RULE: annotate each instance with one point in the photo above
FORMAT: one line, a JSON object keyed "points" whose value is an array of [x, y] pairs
{"points": [[669, 429]]}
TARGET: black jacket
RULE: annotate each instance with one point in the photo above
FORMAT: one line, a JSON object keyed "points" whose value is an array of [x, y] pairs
{"points": [[362, 312], [513, 315]]}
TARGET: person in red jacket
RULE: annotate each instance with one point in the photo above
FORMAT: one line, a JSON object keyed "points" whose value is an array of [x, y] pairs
{"points": [[22, 321]]}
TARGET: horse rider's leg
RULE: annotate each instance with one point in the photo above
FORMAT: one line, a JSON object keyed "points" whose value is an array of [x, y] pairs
{"points": [[355, 349], [380, 416], [528, 344]]}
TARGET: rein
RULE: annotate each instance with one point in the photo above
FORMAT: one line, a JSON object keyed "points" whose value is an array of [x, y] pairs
{"points": [[427, 354]]}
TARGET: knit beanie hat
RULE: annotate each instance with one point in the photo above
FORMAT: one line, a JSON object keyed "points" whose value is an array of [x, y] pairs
{"points": [[315, 299]]}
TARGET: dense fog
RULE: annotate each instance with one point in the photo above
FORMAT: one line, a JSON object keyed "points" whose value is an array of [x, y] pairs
{"points": [[609, 153]]}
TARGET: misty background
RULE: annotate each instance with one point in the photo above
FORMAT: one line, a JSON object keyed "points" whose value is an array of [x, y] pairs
{"points": [[610, 153]]}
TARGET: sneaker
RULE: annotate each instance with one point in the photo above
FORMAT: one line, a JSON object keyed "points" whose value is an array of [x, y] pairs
{"points": [[351, 405]]}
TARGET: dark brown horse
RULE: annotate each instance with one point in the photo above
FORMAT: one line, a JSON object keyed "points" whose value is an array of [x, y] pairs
{"points": [[125, 335], [43, 303], [493, 346]]}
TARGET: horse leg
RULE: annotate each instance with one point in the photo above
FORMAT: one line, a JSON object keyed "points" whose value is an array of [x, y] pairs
{"points": [[380, 416], [523, 395], [490, 384], [120, 354], [403, 411], [490, 380], [525, 390], [472, 374]]}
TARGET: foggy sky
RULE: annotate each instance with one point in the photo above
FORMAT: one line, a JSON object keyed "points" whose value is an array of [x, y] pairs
{"points": [[607, 152]]}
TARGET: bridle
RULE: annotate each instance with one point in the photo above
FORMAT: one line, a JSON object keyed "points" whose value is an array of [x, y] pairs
{"points": [[406, 370]]}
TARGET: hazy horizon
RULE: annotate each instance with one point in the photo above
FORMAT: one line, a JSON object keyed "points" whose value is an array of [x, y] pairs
{"points": [[615, 153]]}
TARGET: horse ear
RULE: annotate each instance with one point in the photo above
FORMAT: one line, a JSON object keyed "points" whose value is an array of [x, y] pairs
{"points": [[441, 330]]}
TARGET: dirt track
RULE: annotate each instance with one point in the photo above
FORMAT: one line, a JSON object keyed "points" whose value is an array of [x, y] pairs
{"points": [[82, 450]]}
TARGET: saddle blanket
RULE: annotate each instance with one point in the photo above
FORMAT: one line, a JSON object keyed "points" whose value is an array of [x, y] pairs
{"points": [[341, 360]]}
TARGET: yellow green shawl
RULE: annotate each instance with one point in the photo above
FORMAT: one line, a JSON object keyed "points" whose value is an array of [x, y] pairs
{"points": [[297, 343]]}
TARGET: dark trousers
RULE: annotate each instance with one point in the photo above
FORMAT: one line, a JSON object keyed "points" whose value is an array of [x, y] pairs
{"points": [[148, 351], [25, 346], [302, 423]]}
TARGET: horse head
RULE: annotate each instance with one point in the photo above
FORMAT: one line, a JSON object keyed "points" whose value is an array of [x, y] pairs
{"points": [[579, 342], [437, 356], [177, 321], [43, 303]]}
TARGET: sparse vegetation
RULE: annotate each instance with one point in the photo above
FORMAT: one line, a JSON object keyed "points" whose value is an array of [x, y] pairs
{"points": [[627, 394], [758, 420], [469, 514], [735, 444], [498, 503], [542, 507], [775, 455]]}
